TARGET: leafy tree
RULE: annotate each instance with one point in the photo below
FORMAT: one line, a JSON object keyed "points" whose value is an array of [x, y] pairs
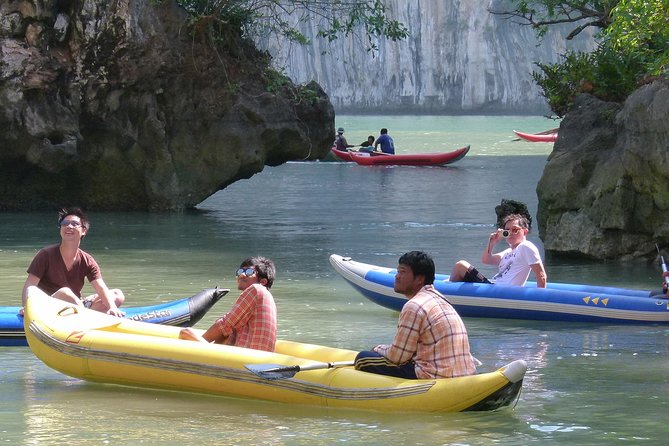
{"points": [[228, 20], [633, 46], [333, 18], [641, 27], [543, 13]]}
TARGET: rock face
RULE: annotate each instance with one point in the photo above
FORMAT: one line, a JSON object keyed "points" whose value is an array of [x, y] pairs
{"points": [[459, 58], [121, 104], [604, 192]]}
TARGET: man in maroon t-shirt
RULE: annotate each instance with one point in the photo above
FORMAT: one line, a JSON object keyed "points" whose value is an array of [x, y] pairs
{"points": [[59, 270]]}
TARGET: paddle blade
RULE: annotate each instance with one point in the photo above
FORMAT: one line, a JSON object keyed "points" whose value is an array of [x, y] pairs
{"points": [[273, 371]]}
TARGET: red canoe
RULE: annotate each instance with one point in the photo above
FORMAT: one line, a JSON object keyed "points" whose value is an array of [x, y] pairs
{"points": [[537, 137], [416, 159]]}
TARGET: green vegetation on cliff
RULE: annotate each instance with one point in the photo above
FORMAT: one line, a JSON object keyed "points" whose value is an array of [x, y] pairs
{"points": [[633, 47], [224, 21], [364, 18]]}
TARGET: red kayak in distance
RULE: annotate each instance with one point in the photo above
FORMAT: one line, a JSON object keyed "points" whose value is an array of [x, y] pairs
{"points": [[538, 137], [410, 159]]}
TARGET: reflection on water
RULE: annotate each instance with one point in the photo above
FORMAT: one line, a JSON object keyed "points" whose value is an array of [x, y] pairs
{"points": [[584, 382]]}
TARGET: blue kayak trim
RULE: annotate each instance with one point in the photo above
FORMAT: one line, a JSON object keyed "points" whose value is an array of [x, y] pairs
{"points": [[183, 312], [557, 302], [595, 289]]}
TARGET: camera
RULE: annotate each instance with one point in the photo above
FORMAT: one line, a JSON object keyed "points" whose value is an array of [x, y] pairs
{"points": [[506, 233]]}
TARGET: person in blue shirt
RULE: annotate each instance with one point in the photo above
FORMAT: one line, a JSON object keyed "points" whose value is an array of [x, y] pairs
{"points": [[386, 142]]}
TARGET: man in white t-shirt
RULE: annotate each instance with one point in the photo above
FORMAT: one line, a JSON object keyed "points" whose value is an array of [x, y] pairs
{"points": [[514, 263]]}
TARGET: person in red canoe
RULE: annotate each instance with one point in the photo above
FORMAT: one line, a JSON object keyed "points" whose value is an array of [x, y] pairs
{"points": [[386, 142], [340, 141], [367, 146]]}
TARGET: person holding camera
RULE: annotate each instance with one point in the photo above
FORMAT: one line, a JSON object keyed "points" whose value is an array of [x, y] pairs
{"points": [[514, 263]]}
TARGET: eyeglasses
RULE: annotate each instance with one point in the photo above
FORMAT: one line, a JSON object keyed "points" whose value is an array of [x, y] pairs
{"points": [[508, 232], [248, 272], [73, 223]]}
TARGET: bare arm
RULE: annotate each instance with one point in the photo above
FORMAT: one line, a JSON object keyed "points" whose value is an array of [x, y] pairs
{"points": [[540, 274], [191, 335], [106, 296], [488, 257], [213, 334]]}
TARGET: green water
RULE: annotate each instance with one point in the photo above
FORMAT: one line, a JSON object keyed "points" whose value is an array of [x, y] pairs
{"points": [[491, 136], [587, 384]]}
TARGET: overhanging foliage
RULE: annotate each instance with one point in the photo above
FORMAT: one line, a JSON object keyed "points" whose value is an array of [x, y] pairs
{"points": [[333, 18], [633, 46]]}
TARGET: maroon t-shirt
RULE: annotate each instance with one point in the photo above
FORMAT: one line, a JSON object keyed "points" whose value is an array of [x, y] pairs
{"points": [[48, 265]]}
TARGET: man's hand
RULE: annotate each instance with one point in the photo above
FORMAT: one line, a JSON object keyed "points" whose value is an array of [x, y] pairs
{"points": [[116, 312], [190, 335]]}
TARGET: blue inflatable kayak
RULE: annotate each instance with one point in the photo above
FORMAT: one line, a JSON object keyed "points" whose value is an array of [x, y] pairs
{"points": [[556, 302], [181, 312]]}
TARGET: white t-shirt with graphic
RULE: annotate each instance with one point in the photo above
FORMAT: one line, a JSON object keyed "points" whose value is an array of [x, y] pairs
{"points": [[514, 267]]}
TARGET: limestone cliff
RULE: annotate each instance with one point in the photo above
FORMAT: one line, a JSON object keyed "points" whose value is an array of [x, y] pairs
{"points": [[121, 104], [459, 58], [604, 192]]}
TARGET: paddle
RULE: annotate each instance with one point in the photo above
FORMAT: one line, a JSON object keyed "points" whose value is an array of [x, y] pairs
{"points": [[274, 371], [664, 268], [374, 153]]}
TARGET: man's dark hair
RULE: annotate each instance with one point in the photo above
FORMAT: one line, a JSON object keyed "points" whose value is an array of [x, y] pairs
{"points": [[522, 220], [384, 131], [421, 264], [64, 212], [264, 268], [508, 207]]}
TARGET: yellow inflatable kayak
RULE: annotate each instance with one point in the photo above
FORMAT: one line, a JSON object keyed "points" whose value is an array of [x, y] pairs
{"points": [[97, 347]]}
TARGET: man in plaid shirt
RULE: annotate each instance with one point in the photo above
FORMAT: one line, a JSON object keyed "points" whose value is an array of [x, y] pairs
{"points": [[251, 322], [431, 339]]}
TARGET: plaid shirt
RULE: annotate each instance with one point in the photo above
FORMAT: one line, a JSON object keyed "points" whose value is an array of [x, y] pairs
{"points": [[251, 322], [431, 333]]}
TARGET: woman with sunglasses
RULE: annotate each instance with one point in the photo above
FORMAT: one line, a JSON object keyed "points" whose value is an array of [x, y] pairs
{"points": [[251, 322], [514, 263], [60, 270]]}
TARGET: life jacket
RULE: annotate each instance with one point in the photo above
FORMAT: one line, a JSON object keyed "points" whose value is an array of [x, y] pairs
{"points": [[339, 143]]}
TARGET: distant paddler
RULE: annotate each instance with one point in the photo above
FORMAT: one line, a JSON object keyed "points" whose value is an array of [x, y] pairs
{"points": [[340, 142]]}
